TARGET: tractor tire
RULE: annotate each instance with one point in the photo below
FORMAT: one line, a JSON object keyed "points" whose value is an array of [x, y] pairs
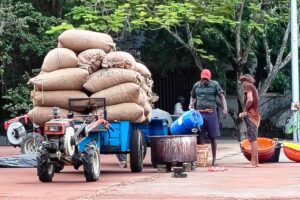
{"points": [[91, 162], [45, 169], [136, 151], [76, 161], [31, 143], [59, 167]]}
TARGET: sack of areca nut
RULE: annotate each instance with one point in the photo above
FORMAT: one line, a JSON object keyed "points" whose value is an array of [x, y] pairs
{"points": [[80, 40], [118, 59]]}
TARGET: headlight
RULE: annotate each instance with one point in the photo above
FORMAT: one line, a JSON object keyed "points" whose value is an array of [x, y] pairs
{"points": [[52, 128]]}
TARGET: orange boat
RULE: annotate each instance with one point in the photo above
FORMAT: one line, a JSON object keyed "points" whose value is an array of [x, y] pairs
{"points": [[266, 149], [292, 151]]}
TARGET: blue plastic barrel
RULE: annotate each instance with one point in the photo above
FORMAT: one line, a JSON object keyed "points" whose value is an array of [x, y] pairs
{"points": [[186, 122]]}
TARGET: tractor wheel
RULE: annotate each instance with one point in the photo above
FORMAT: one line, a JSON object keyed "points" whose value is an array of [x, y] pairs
{"points": [[136, 151], [59, 166], [91, 162], [45, 169], [31, 143]]}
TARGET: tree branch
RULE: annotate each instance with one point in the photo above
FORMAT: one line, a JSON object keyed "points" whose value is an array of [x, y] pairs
{"points": [[240, 9], [190, 48], [244, 58], [268, 50], [286, 60], [239, 14], [177, 38], [279, 62], [283, 45]]}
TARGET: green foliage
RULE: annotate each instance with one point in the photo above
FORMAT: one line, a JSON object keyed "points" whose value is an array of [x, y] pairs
{"points": [[17, 99], [117, 16], [23, 45], [281, 83], [60, 28], [23, 31]]}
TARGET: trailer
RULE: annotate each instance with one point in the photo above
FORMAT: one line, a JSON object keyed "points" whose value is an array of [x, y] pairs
{"points": [[79, 140]]}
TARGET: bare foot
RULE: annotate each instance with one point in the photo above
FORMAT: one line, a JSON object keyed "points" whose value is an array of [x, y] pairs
{"points": [[253, 164], [214, 162]]}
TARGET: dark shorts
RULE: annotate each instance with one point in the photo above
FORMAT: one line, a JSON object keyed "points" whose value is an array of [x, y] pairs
{"points": [[210, 125], [252, 130]]}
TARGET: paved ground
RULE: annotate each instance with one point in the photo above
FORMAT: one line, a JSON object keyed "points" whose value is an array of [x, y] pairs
{"points": [[269, 181]]}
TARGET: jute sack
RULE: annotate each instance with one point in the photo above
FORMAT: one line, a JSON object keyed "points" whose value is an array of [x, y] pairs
{"points": [[63, 79], [148, 117], [40, 115], [42, 72], [118, 59], [106, 78], [125, 112], [146, 89], [57, 98], [122, 93], [147, 108], [142, 98], [142, 69], [80, 40], [59, 58], [93, 58], [153, 98]]}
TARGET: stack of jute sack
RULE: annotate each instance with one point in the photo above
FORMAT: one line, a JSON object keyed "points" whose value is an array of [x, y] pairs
{"points": [[85, 64]]}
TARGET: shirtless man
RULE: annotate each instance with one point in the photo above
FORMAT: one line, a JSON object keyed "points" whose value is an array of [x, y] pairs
{"points": [[251, 114]]}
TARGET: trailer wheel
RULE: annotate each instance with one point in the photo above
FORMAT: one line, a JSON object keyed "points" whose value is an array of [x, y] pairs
{"points": [[136, 151], [144, 147], [91, 162], [31, 143], [45, 169]]}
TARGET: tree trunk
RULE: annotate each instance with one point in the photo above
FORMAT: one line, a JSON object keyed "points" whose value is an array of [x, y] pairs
{"points": [[57, 6], [279, 64]]}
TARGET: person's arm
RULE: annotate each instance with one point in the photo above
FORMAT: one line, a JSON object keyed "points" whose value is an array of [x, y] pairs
{"points": [[221, 96], [224, 104], [193, 98], [192, 103], [248, 103]]}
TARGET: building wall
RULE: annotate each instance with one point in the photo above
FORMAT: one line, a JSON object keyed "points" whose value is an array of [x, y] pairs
{"points": [[270, 105]]}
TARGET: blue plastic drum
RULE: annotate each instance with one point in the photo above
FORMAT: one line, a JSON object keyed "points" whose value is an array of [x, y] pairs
{"points": [[186, 122]]}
